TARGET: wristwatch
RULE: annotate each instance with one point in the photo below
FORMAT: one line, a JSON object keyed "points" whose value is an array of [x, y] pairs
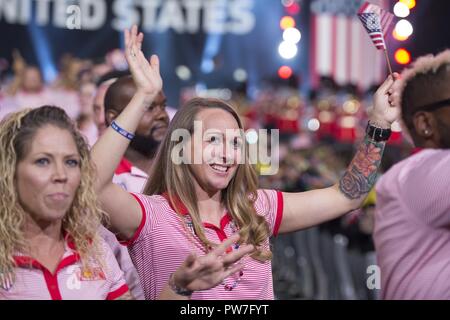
{"points": [[178, 290], [376, 133]]}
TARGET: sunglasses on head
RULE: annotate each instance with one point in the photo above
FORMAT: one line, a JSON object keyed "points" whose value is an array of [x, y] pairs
{"points": [[434, 106]]}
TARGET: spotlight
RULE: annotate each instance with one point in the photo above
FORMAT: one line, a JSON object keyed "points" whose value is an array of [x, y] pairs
{"points": [[183, 72], [285, 72], [287, 50], [404, 28], [402, 56], [287, 22], [292, 35]]}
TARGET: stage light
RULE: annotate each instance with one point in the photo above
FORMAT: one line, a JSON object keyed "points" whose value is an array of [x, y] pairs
{"points": [[207, 66], [404, 28], [287, 50], [401, 10], [402, 56], [183, 72], [292, 35], [287, 22], [285, 72], [41, 45], [397, 36], [293, 9], [313, 124], [287, 3], [240, 75], [409, 3], [351, 106]]}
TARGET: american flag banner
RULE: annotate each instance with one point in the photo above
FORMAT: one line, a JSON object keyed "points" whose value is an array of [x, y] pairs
{"points": [[340, 48], [376, 21]]}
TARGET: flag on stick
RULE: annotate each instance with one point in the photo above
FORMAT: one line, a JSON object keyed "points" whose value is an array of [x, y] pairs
{"points": [[377, 23]]}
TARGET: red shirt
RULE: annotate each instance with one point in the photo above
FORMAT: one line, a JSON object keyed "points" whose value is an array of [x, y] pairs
{"points": [[70, 281]]}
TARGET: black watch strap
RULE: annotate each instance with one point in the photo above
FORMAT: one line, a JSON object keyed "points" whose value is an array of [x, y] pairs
{"points": [[376, 133]]}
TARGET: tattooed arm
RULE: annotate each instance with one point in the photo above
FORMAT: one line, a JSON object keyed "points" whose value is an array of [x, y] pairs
{"points": [[361, 175], [306, 209]]}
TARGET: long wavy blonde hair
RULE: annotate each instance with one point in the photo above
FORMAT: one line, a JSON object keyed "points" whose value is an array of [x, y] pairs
{"points": [[238, 197], [84, 217]]}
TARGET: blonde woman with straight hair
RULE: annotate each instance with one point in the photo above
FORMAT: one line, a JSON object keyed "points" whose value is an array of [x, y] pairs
{"points": [[197, 204]]}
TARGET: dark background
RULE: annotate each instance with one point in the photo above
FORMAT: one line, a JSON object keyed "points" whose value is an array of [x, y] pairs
{"points": [[256, 52]]}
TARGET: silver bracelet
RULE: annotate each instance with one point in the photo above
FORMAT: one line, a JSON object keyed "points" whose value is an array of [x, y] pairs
{"points": [[178, 290]]}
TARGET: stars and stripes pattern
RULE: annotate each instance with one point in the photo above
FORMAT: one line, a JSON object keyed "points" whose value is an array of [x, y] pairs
{"points": [[376, 21]]}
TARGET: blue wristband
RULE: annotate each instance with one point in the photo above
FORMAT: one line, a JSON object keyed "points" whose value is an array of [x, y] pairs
{"points": [[122, 131]]}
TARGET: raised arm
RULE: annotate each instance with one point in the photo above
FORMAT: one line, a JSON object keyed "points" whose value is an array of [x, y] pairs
{"points": [[124, 211], [306, 209]]}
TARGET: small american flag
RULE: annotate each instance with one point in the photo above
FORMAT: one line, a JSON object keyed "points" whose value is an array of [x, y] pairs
{"points": [[376, 21]]}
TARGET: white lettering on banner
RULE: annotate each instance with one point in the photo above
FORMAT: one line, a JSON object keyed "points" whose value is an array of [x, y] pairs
{"points": [[98, 17], [59, 13], [43, 8], [171, 17], [180, 16], [25, 12], [9, 10], [244, 20], [215, 16], [149, 14], [126, 15], [193, 8]]}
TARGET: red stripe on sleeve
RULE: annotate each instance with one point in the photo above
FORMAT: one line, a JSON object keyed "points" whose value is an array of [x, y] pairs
{"points": [[279, 212], [141, 225], [117, 293]]}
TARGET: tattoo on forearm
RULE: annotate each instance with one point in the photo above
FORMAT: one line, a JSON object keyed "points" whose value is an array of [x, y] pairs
{"points": [[361, 175]]}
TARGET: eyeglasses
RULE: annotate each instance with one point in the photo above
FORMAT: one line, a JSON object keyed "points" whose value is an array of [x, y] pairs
{"points": [[434, 106]]}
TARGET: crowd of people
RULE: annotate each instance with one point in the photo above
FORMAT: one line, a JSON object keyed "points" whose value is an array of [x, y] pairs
{"points": [[102, 197]]}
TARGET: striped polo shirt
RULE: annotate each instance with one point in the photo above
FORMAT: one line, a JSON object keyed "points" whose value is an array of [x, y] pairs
{"points": [[129, 177], [163, 241], [70, 281], [412, 227]]}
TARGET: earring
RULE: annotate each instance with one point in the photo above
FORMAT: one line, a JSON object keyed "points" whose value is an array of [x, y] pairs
{"points": [[426, 132]]}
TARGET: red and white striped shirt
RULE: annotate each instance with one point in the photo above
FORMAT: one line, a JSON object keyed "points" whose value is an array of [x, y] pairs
{"points": [[33, 281], [129, 177], [162, 242]]}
